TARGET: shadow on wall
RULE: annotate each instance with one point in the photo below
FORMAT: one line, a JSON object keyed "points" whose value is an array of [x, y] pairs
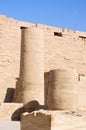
{"points": [[46, 86], [17, 94], [12, 94], [9, 95], [29, 107]]}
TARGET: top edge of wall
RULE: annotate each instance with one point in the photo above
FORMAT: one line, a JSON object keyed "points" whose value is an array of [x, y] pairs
{"points": [[42, 26]]}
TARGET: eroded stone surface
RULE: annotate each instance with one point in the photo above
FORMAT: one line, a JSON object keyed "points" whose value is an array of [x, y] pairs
{"points": [[53, 120], [7, 110], [60, 51], [32, 65], [63, 49]]}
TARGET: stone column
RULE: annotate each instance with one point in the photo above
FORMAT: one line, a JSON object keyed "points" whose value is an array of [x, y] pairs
{"points": [[62, 93], [32, 73]]}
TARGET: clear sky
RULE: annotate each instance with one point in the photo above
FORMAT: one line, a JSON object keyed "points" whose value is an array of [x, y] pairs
{"points": [[69, 14]]}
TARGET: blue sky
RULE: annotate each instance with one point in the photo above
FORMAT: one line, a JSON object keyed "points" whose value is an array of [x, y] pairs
{"points": [[69, 14]]}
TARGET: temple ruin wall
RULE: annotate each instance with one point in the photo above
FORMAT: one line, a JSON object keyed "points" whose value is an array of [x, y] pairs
{"points": [[63, 49]]}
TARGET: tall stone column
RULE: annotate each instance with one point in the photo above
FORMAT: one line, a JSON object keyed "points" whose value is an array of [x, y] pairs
{"points": [[62, 93], [32, 73]]}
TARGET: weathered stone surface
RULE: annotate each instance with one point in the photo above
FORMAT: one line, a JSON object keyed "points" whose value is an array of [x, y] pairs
{"points": [[63, 90], [10, 50], [82, 93], [32, 66], [60, 51], [53, 120], [8, 109]]}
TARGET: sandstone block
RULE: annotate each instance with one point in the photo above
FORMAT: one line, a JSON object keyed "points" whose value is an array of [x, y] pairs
{"points": [[53, 120]]}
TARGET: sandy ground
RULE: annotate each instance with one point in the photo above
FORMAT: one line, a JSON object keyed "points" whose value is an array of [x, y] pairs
{"points": [[9, 125]]}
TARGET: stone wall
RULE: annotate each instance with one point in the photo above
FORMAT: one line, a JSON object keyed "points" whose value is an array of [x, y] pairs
{"points": [[65, 52], [8, 109], [10, 48], [82, 92], [63, 49]]}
